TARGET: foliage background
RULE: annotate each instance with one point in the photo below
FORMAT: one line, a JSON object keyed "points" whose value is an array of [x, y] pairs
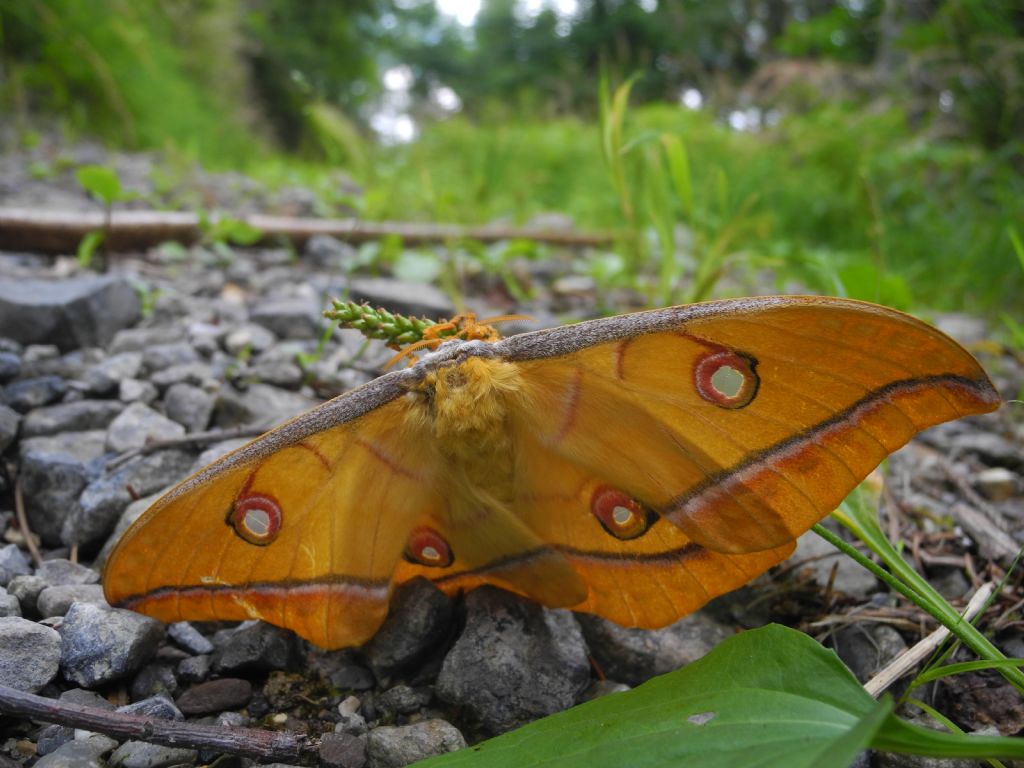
{"points": [[867, 147]]}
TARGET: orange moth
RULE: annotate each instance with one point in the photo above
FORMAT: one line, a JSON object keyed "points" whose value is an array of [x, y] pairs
{"points": [[633, 467]]}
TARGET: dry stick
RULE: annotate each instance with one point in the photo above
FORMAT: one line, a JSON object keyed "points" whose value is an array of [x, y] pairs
{"points": [[914, 655], [269, 746], [19, 511], [61, 231], [210, 436]]}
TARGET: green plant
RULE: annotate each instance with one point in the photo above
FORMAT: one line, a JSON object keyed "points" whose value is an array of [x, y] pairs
{"points": [[219, 233], [1015, 327], [103, 184]]}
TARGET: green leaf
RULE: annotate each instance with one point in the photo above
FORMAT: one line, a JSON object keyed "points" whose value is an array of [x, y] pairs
{"points": [[101, 182], [768, 697], [87, 248], [417, 267]]}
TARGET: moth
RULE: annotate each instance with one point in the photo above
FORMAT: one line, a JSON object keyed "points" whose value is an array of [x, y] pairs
{"points": [[633, 467]]}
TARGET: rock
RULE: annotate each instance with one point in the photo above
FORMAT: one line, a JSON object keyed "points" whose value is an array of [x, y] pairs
{"points": [[993, 543], [101, 644], [139, 754], [260, 405], [104, 500], [29, 654], [57, 601], [402, 700], [997, 483], [53, 737], [342, 750], [993, 448], [10, 422], [13, 562], [135, 391], [514, 662], [398, 746], [350, 721], [80, 312], [194, 669], [289, 318], [600, 688], [867, 648], [215, 696], [419, 618], [59, 572], [9, 604], [54, 471], [341, 668], [197, 374], [278, 372], [189, 638], [27, 394], [157, 707], [79, 416], [403, 298], [819, 557], [328, 253], [26, 589], [10, 366], [967, 329], [632, 656], [155, 679], [138, 339], [138, 425], [252, 646], [249, 339], [132, 513], [79, 753], [189, 405], [106, 376], [159, 357]]}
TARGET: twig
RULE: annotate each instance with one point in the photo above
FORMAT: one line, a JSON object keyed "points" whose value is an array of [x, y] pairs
{"points": [[60, 231], [914, 655], [269, 746], [19, 511], [210, 436]]}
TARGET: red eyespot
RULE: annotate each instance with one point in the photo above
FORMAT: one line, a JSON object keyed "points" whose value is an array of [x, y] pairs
{"points": [[726, 379], [619, 513], [426, 547], [257, 519]]}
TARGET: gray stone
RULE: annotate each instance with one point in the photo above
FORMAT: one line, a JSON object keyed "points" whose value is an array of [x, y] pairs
{"points": [[29, 654], [328, 253], [104, 499], [9, 604], [80, 312], [248, 339], [278, 372], [399, 746], [27, 394], [157, 678], [101, 644], [58, 572], [632, 656], [139, 339], [138, 425], [53, 737], [403, 298], [26, 589], [54, 471], [419, 618], [139, 754], [816, 555], [189, 638], [10, 366], [157, 707], [252, 646], [340, 667], [514, 662], [136, 391], [867, 648], [132, 513], [189, 405], [349, 719], [194, 669], [13, 562], [342, 750], [10, 421], [105, 377], [161, 356], [57, 601], [402, 700], [289, 318], [260, 405], [79, 753], [196, 374], [998, 483], [78, 416], [992, 447], [215, 696], [969, 330]]}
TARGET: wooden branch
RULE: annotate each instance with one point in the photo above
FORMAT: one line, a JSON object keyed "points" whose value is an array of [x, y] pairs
{"points": [[268, 746], [40, 231]]}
